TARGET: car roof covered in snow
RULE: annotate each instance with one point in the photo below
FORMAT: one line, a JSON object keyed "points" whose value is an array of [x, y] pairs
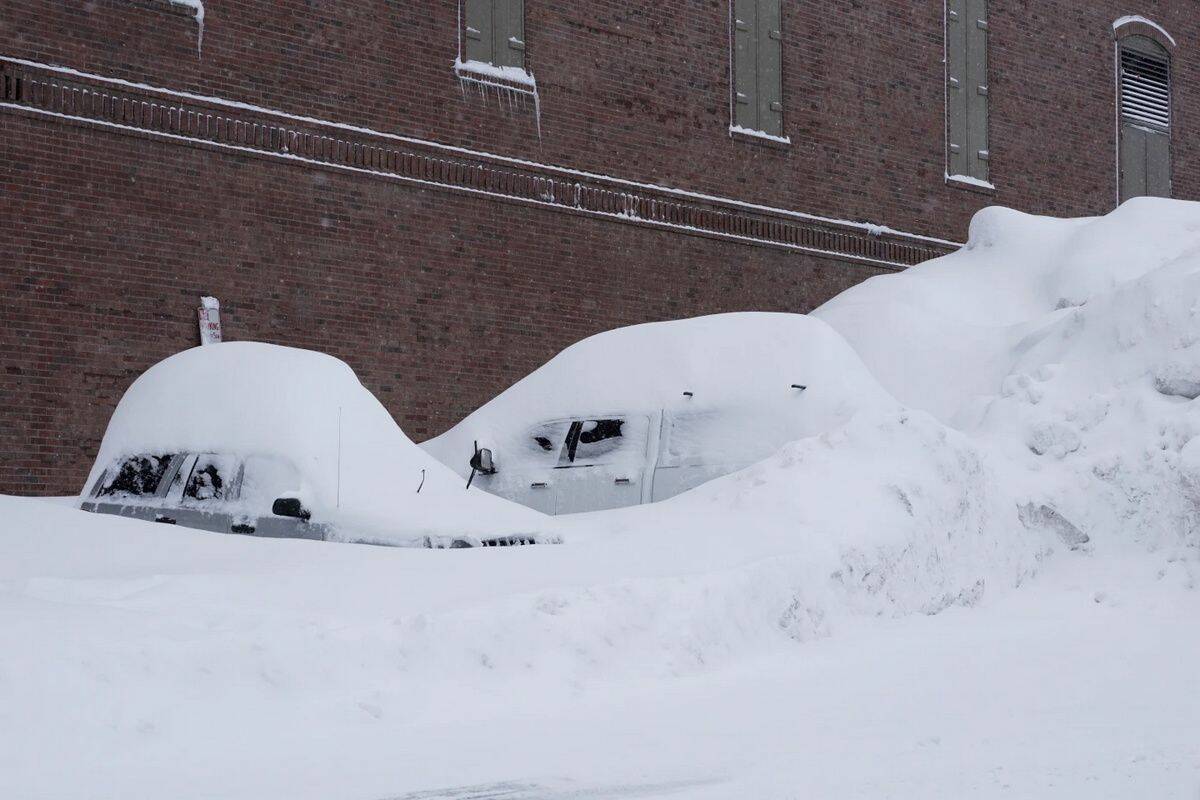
{"points": [[356, 465], [747, 364]]}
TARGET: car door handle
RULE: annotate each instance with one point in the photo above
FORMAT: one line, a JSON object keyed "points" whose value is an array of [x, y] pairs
{"points": [[621, 481], [538, 485], [241, 528], [164, 519]]}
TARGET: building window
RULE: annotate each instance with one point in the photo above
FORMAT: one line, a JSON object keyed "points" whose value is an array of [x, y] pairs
{"points": [[757, 68], [1144, 69], [968, 151], [494, 32]]}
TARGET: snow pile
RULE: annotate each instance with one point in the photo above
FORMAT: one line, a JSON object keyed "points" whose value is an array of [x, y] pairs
{"points": [[1103, 397], [890, 514], [357, 467], [872, 510], [893, 514], [167, 660], [1068, 346], [947, 331], [1049, 439]]}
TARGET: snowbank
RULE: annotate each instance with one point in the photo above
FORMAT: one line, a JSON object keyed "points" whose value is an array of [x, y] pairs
{"points": [[1067, 346], [166, 660], [884, 513], [947, 331], [888, 515], [358, 468], [837, 620]]}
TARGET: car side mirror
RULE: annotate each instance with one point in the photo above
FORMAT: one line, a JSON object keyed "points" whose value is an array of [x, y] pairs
{"points": [[290, 507], [482, 462]]}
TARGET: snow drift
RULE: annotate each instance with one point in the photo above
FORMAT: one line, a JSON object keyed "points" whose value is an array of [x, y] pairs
{"points": [[1066, 346], [1048, 439]]}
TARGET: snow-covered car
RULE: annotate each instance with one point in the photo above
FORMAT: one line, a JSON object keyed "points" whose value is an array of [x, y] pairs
{"points": [[257, 439], [640, 414]]}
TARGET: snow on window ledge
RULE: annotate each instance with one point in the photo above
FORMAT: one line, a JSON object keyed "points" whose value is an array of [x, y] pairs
{"points": [[738, 130], [967, 180], [481, 70], [513, 86]]}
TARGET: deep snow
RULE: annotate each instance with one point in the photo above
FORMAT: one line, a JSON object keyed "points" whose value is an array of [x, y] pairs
{"points": [[139, 661], [990, 591], [1066, 347]]}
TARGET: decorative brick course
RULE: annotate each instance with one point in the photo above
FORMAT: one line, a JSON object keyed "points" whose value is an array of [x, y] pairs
{"points": [[74, 98]]}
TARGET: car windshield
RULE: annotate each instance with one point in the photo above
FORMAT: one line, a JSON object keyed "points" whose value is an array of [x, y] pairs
{"points": [[136, 476], [212, 479]]}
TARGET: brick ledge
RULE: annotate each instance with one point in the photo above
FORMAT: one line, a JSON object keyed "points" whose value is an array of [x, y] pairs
{"points": [[134, 110]]}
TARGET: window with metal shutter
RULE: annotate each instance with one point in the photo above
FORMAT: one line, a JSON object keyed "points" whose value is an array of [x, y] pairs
{"points": [[494, 32], [758, 66], [967, 132], [1145, 106], [1145, 87], [478, 33]]}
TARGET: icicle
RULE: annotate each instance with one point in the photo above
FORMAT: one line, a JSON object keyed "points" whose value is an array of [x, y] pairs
{"points": [[197, 7], [537, 113]]}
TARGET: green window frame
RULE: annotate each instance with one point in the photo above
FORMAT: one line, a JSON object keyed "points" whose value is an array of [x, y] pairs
{"points": [[968, 149], [757, 33], [493, 32]]}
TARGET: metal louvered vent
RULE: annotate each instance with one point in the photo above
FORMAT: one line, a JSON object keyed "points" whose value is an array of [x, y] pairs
{"points": [[1145, 88]]}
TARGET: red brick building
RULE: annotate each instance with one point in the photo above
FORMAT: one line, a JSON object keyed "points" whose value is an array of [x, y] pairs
{"points": [[444, 194]]}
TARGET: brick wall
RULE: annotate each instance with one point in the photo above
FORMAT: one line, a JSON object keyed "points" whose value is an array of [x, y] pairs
{"points": [[439, 299], [436, 300]]}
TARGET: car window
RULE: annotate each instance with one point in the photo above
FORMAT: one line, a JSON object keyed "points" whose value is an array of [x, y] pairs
{"points": [[266, 478], [211, 480], [687, 438], [595, 442], [729, 436], [544, 442], [136, 476]]}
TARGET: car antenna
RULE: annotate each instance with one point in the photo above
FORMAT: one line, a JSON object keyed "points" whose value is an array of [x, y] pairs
{"points": [[422, 481]]}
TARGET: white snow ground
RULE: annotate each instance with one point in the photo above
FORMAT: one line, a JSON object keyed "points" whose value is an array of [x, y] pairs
{"points": [[142, 662], [901, 607]]}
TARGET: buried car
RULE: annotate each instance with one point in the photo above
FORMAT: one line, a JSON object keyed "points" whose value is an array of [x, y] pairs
{"points": [[257, 439], [640, 414]]}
